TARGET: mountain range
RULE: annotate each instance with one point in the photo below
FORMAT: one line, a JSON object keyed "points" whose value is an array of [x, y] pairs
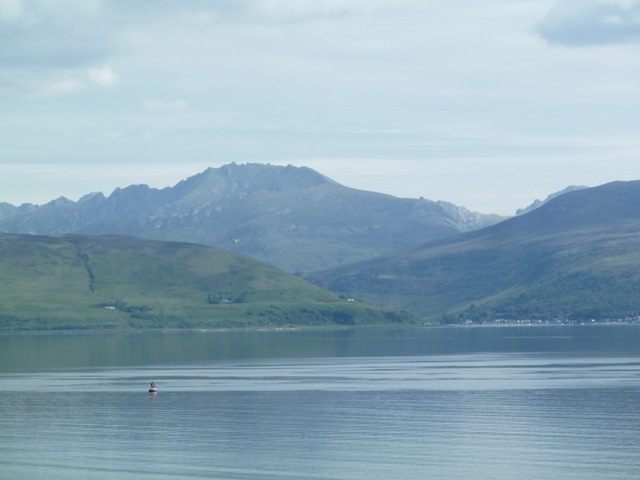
{"points": [[293, 218], [572, 256], [575, 257]]}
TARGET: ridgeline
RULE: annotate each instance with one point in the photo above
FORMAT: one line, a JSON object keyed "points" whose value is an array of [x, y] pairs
{"points": [[290, 217], [576, 257]]}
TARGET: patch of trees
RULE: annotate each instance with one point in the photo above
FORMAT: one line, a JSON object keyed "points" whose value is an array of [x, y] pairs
{"points": [[275, 316]]}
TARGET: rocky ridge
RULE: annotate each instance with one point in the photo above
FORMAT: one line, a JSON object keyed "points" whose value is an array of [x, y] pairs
{"points": [[292, 217]]}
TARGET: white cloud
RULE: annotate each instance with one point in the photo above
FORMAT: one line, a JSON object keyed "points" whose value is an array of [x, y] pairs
{"points": [[273, 80], [10, 9], [160, 106], [47, 46], [591, 22], [47, 82], [104, 77]]}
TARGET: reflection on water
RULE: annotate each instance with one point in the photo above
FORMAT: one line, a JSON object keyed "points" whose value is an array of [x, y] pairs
{"points": [[54, 352], [503, 403], [455, 372]]}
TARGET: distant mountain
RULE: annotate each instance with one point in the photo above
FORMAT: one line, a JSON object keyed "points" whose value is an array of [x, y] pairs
{"points": [[87, 282], [293, 218], [575, 257], [8, 211], [538, 203]]}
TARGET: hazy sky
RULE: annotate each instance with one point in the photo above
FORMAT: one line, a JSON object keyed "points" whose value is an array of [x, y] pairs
{"points": [[484, 103]]}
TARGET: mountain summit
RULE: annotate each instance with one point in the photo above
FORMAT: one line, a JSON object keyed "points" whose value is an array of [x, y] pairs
{"points": [[292, 217]]}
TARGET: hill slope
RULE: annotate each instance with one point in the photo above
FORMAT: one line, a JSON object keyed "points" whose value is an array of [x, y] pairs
{"points": [[78, 281], [293, 218], [577, 256]]}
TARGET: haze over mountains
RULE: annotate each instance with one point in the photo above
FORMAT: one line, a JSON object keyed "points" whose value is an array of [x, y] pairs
{"points": [[575, 257], [293, 218]]}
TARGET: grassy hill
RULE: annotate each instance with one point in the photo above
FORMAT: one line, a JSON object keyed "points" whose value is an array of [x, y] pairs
{"points": [[79, 282], [576, 257]]}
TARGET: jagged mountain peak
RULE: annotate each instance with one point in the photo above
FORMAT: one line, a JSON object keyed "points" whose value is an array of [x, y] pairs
{"points": [[91, 196], [538, 203], [236, 178], [292, 217], [600, 207], [59, 202], [608, 204], [466, 218]]}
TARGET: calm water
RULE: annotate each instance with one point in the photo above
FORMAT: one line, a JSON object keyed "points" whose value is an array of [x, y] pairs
{"points": [[458, 403]]}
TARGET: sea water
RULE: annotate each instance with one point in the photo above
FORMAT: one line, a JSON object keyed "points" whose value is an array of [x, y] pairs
{"points": [[435, 403]]}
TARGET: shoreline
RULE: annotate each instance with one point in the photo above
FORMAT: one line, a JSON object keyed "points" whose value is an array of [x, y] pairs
{"points": [[99, 331]]}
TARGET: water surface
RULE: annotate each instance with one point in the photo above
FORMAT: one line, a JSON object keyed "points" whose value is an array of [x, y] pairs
{"points": [[463, 403]]}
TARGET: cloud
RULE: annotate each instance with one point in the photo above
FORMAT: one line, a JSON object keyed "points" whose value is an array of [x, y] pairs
{"points": [[591, 22], [10, 9], [73, 34], [160, 106], [63, 82], [61, 34], [104, 77], [243, 11], [297, 10]]}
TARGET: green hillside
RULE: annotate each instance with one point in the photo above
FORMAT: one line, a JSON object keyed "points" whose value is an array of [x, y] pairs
{"points": [[576, 257], [80, 282]]}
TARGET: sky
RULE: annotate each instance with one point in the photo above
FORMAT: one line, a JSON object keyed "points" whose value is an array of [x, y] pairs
{"points": [[484, 103]]}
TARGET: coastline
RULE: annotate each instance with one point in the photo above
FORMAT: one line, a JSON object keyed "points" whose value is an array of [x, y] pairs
{"points": [[140, 331]]}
